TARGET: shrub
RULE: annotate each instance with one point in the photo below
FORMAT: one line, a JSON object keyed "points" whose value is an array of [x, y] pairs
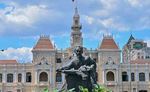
{"points": [[97, 88]]}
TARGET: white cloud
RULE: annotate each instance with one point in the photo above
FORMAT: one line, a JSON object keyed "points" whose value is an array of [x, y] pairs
{"points": [[138, 3], [20, 54], [88, 19], [109, 4], [121, 15], [26, 15], [135, 2]]}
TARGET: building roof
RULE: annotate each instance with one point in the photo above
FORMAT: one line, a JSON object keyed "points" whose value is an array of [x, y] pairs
{"points": [[108, 43], [140, 61], [130, 39], [3, 62], [43, 43]]}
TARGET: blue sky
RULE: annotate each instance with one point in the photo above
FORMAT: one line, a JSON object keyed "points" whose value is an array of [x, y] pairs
{"points": [[23, 21]]}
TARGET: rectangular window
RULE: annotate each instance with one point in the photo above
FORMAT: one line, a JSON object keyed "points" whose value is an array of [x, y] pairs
{"points": [[28, 77], [58, 60], [58, 77], [132, 77], [124, 76], [1, 78]]}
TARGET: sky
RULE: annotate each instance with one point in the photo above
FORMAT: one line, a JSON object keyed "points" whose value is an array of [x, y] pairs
{"points": [[23, 21]]}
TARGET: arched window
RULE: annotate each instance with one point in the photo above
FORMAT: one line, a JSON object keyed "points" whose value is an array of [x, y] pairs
{"points": [[110, 76], [132, 77], [19, 77], [9, 78], [141, 76], [28, 77], [43, 77], [1, 77], [124, 76], [58, 77]]}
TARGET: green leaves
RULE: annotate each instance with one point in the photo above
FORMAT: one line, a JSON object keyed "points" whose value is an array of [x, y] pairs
{"points": [[97, 88], [101, 88], [45, 90], [82, 89]]}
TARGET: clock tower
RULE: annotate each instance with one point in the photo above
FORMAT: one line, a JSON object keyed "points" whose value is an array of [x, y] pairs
{"points": [[76, 34]]}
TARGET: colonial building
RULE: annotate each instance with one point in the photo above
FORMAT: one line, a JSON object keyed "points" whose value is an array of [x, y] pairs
{"points": [[131, 75]]}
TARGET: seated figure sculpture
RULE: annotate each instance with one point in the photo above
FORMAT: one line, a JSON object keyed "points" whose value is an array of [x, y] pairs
{"points": [[80, 71]]}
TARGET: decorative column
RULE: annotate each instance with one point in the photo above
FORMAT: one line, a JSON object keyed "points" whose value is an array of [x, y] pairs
{"points": [[23, 77], [147, 73], [4, 77], [15, 77], [116, 75], [50, 75], [36, 77], [129, 74], [104, 77], [137, 74]]}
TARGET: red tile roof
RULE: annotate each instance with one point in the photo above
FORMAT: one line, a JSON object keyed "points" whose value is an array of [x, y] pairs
{"points": [[108, 43], [43, 43], [140, 61], [2, 62]]}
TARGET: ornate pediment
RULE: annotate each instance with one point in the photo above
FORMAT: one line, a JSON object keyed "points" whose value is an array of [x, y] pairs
{"points": [[110, 61], [43, 61]]}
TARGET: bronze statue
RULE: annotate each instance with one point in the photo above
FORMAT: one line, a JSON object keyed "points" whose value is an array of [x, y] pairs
{"points": [[80, 71]]}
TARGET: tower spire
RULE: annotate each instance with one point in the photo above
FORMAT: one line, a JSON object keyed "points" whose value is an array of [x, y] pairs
{"points": [[76, 11]]}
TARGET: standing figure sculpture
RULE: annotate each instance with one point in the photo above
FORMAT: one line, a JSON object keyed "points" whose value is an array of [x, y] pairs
{"points": [[80, 71]]}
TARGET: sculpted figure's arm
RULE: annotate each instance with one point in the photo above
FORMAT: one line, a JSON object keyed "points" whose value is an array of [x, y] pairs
{"points": [[68, 66]]}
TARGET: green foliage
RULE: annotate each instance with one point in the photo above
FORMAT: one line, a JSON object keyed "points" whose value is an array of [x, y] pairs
{"points": [[97, 88], [70, 90], [82, 89], [45, 90]]}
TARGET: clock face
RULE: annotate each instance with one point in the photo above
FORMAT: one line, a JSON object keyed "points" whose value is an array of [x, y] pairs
{"points": [[137, 46]]}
